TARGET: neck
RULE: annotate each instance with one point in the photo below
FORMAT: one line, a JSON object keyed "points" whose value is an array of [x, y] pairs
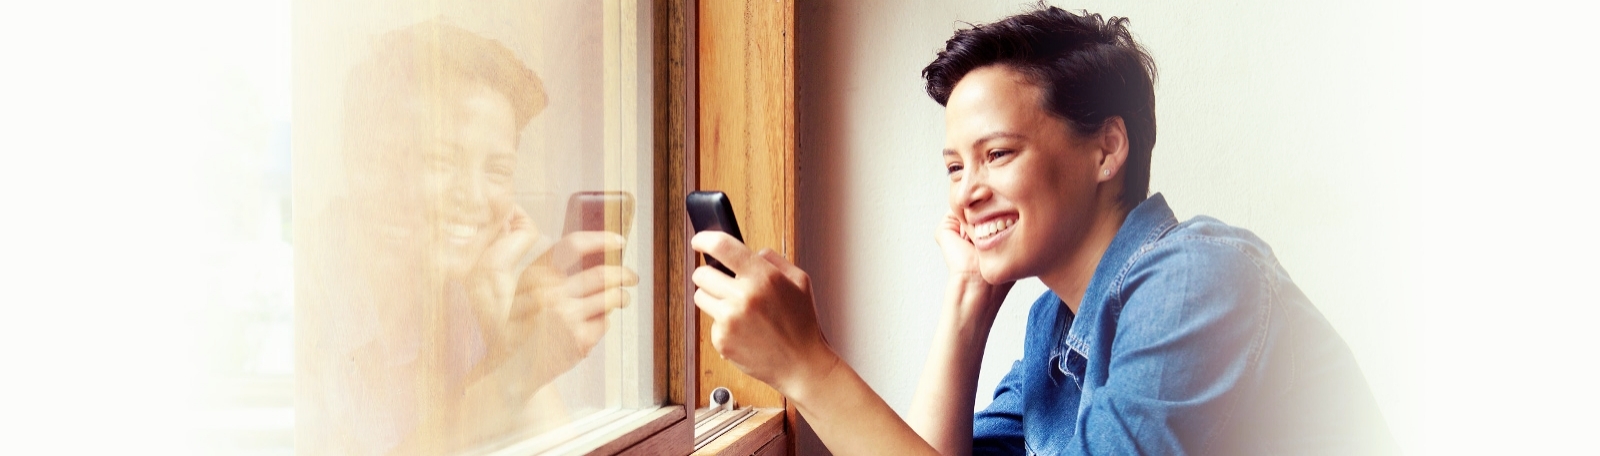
{"points": [[1070, 278]]}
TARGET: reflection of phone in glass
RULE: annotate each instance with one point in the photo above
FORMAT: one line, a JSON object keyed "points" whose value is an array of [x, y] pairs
{"points": [[599, 211], [711, 211]]}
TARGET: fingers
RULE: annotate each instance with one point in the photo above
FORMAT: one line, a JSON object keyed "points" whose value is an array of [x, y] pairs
{"points": [[951, 226], [597, 279], [586, 333], [517, 239], [718, 311], [951, 218], [576, 245], [542, 287], [711, 305], [539, 277], [589, 322], [719, 339], [575, 311], [710, 280], [795, 275], [599, 304], [954, 223], [732, 253]]}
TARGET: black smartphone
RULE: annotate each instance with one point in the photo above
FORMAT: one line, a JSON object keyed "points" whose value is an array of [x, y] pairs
{"points": [[711, 211], [599, 211]]}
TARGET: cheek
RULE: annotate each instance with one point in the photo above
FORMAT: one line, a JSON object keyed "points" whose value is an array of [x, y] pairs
{"points": [[1050, 192], [500, 201], [432, 183], [1038, 196], [1013, 186], [954, 199]]}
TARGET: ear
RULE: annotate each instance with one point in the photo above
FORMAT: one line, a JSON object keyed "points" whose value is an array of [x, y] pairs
{"points": [[1113, 142]]}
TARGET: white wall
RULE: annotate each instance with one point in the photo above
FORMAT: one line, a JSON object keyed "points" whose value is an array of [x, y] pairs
{"points": [[1398, 160]]}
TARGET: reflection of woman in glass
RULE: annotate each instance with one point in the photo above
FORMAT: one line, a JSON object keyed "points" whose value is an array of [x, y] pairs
{"points": [[428, 335]]}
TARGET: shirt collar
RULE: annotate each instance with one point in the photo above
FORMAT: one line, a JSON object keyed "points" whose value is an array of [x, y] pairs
{"points": [[1146, 223]]}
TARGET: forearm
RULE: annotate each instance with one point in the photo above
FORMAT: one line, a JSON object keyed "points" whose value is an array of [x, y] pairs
{"points": [[941, 410], [851, 419]]}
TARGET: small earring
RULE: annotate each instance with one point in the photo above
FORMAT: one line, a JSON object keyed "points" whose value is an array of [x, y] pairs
{"points": [[1105, 172]]}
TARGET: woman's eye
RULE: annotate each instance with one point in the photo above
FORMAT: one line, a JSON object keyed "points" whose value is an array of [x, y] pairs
{"points": [[998, 154], [952, 168], [500, 174]]}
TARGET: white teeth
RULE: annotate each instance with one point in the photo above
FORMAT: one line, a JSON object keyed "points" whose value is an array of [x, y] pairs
{"points": [[988, 229], [458, 230]]}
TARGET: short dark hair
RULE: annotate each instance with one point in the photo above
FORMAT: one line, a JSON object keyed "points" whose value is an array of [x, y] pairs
{"points": [[1089, 69], [434, 56]]}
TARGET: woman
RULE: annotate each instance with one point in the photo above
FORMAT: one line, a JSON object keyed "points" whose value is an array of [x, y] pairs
{"points": [[1156, 336], [425, 333]]}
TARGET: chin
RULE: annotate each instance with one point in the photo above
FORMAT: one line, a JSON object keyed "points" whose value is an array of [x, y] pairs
{"points": [[995, 272]]}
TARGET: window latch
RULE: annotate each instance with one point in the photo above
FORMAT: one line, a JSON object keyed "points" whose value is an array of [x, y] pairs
{"points": [[715, 420]]}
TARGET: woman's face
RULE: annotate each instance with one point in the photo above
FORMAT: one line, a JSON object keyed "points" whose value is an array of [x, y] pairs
{"points": [[447, 181], [1021, 182]]}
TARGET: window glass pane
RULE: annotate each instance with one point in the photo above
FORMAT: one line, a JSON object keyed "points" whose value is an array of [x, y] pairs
{"points": [[472, 222]]}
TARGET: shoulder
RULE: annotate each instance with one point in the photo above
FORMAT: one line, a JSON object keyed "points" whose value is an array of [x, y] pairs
{"points": [[1202, 249], [1198, 298], [1200, 267]]}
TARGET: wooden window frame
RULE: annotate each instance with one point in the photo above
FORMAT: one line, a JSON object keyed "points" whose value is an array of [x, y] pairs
{"points": [[746, 146], [673, 60], [668, 429], [724, 119]]}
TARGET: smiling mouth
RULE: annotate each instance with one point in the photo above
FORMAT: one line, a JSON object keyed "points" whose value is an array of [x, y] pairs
{"points": [[460, 233], [991, 228]]}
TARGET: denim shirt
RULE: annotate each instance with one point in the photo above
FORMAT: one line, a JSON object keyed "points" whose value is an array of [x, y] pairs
{"points": [[1190, 339]]}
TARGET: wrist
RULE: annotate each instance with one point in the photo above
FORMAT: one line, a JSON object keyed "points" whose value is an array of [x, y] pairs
{"points": [[970, 300], [812, 377]]}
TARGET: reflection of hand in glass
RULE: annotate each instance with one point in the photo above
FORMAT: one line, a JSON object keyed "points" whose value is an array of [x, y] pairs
{"points": [[574, 308], [540, 311], [493, 283]]}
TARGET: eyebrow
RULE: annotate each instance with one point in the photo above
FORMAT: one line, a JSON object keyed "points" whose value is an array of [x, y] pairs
{"points": [[494, 153], [989, 137]]}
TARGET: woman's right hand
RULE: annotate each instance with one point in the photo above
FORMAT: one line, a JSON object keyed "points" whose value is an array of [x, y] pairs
{"points": [[568, 312], [764, 320]]}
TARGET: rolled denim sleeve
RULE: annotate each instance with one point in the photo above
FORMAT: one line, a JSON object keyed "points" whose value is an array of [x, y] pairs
{"points": [[998, 428], [1193, 321]]}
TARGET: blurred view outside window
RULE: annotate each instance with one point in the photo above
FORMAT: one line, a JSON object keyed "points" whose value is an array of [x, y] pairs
{"points": [[443, 246]]}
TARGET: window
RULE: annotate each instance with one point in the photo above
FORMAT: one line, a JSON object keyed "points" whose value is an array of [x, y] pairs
{"points": [[458, 168], [406, 283]]}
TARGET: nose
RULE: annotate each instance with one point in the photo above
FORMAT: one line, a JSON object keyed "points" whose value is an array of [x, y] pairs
{"points": [[467, 193], [973, 189]]}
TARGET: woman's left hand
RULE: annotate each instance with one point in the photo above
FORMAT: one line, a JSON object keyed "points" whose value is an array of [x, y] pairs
{"points": [[493, 281], [765, 322]]}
